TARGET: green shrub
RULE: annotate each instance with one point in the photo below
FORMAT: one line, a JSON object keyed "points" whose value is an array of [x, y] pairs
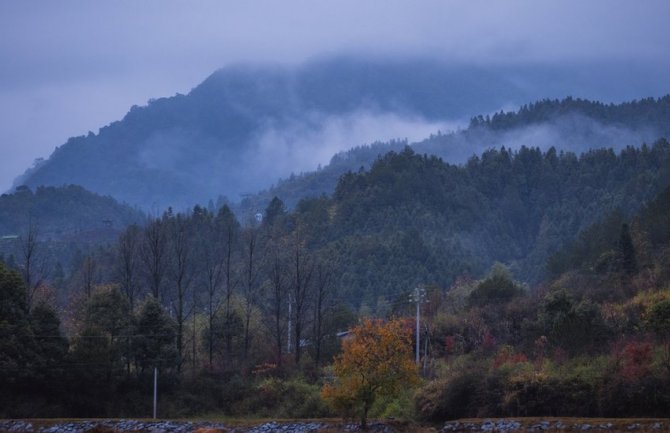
{"points": [[279, 398], [400, 408]]}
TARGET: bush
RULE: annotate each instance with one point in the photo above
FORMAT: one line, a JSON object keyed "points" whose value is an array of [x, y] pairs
{"points": [[539, 395], [278, 398], [647, 396], [450, 398], [400, 408]]}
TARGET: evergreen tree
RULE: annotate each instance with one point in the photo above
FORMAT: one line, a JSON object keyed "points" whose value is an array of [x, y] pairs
{"points": [[156, 339], [51, 344], [17, 351], [274, 211]]}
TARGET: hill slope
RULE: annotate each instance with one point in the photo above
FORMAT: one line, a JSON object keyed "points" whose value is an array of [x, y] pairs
{"points": [[414, 219], [569, 124], [59, 213]]}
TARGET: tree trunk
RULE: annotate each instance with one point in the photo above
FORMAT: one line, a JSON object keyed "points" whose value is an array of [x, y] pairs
{"points": [[364, 417]]}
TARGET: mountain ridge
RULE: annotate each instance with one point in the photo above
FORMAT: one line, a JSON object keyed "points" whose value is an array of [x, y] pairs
{"points": [[577, 125], [244, 127]]}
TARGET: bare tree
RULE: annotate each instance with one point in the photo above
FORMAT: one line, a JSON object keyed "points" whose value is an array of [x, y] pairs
{"points": [[276, 314], [34, 263], [194, 345], [216, 255], [128, 262], [322, 292], [303, 268], [251, 281], [180, 270], [228, 228], [154, 249], [213, 271]]}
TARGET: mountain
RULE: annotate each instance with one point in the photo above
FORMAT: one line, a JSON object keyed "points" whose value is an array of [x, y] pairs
{"points": [[570, 124], [246, 126]]}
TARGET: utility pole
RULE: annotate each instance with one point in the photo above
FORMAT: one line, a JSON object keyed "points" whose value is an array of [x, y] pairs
{"points": [[155, 390], [193, 342], [288, 339], [418, 297], [425, 348]]}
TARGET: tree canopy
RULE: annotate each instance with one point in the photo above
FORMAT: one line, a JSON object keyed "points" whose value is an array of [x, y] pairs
{"points": [[376, 361]]}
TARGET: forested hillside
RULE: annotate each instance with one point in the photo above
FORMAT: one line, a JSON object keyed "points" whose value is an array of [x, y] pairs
{"points": [[47, 234], [422, 220], [570, 125], [206, 300], [593, 341], [414, 219], [59, 212], [536, 261]]}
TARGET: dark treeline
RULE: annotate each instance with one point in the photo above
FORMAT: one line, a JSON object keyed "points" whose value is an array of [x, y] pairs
{"points": [[241, 317], [638, 114]]}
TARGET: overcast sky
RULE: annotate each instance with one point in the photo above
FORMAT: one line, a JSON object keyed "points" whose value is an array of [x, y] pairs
{"points": [[67, 67]]}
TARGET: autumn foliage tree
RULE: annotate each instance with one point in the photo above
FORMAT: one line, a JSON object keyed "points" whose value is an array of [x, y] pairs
{"points": [[376, 361]]}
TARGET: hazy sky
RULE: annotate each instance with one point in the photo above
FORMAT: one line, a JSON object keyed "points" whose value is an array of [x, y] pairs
{"points": [[67, 67]]}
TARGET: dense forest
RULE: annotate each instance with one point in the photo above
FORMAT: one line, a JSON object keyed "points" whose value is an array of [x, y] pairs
{"points": [[414, 219], [546, 272]]}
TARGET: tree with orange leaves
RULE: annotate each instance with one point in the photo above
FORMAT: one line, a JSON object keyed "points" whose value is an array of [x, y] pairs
{"points": [[376, 360]]}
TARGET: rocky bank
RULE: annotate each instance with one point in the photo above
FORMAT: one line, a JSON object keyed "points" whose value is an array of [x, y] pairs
{"points": [[467, 426]]}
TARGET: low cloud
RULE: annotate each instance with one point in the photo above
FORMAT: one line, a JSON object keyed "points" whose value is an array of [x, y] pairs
{"points": [[574, 133], [304, 145]]}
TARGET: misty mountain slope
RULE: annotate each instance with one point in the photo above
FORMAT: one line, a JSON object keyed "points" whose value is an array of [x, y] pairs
{"points": [[319, 182], [245, 127], [574, 125]]}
